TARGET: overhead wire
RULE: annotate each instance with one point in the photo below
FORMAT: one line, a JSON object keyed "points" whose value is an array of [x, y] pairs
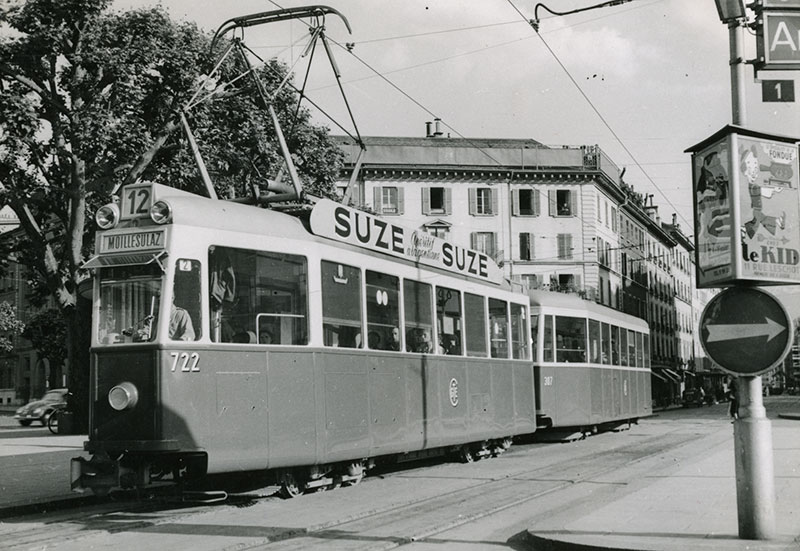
{"points": [[600, 115], [469, 140]]}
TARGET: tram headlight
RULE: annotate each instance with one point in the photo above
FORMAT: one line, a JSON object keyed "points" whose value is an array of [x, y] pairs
{"points": [[107, 216], [123, 396], [161, 212]]}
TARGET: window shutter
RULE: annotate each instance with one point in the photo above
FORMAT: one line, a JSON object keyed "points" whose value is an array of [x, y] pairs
{"points": [[532, 246], [376, 199], [448, 200], [492, 245], [495, 196], [536, 202], [568, 247], [573, 199], [515, 202], [426, 200], [551, 202], [473, 201], [473, 240], [401, 203]]}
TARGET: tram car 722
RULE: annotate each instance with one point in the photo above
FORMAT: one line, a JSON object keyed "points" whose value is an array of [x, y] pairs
{"points": [[232, 338]]}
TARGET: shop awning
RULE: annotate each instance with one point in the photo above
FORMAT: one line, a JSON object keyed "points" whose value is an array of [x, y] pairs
{"points": [[655, 374], [100, 261]]}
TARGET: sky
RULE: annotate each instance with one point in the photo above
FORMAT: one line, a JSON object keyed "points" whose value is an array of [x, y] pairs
{"points": [[643, 80]]}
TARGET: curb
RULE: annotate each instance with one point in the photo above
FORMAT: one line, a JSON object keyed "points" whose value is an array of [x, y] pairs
{"points": [[795, 416]]}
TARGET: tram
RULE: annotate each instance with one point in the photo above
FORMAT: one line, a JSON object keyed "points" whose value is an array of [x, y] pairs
{"points": [[592, 364], [232, 338]]}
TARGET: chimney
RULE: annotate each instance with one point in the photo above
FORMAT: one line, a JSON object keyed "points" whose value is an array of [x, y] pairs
{"points": [[438, 132], [428, 129]]}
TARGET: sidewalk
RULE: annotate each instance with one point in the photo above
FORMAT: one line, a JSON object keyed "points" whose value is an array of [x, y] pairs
{"points": [[693, 507]]}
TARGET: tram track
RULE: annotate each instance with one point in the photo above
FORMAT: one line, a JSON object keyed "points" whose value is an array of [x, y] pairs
{"points": [[390, 524]]}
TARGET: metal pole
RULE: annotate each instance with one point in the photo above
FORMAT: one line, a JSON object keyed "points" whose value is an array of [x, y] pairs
{"points": [[755, 479], [737, 73], [752, 431]]}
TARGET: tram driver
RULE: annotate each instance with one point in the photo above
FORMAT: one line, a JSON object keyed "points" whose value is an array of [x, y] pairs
{"points": [[180, 323]]}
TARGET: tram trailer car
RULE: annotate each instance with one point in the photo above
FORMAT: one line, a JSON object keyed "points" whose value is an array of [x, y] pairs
{"points": [[228, 338], [592, 364]]}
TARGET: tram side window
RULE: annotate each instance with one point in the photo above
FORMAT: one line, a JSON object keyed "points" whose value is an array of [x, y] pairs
{"points": [[535, 336], [498, 324], [184, 316], [519, 332], [547, 344], [594, 342], [475, 325], [570, 339], [631, 348], [418, 303], [614, 345], [606, 343], [341, 304], [383, 308], [623, 339], [448, 321], [258, 297], [639, 349], [646, 350]]}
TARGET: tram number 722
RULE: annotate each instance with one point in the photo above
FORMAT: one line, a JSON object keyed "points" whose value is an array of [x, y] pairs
{"points": [[187, 362]]}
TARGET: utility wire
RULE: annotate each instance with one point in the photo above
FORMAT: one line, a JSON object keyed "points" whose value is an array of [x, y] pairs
{"points": [[596, 110]]}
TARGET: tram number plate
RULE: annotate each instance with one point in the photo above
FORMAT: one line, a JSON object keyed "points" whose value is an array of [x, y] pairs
{"points": [[548, 380], [185, 361]]}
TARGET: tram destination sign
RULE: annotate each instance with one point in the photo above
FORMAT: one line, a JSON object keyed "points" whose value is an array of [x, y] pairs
{"points": [[336, 221], [746, 331]]}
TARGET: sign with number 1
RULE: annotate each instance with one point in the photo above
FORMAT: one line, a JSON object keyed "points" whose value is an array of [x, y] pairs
{"points": [[777, 91]]}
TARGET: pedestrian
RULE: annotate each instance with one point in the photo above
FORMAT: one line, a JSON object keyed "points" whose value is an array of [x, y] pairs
{"points": [[733, 396]]}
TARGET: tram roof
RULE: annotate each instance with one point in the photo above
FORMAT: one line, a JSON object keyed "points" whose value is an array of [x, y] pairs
{"points": [[549, 299]]}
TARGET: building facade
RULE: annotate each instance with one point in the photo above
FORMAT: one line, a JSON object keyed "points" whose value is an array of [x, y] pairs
{"points": [[555, 218]]}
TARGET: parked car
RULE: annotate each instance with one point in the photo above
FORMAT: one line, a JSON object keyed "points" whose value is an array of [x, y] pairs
{"points": [[41, 409], [693, 397]]}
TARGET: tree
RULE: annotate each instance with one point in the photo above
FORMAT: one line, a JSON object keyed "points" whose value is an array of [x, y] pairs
{"points": [[9, 325], [90, 100], [47, 333]]}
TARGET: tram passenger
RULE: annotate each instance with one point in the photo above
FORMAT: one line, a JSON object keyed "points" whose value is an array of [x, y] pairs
{"points": [[424, 344], [374, 340], [394, 342], [264, 337], [180, 324]]}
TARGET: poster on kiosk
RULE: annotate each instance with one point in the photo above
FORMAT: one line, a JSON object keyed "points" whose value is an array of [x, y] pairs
{"points": [[746, 209]]}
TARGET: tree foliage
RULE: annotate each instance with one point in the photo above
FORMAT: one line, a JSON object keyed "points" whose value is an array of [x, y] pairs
{"points": [[46, 332], [89, 100], [10, 325]]}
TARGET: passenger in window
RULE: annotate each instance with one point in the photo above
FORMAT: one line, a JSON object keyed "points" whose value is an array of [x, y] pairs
{"points": [[180, 324], [394, 342], [374, 340], [424, 344], [264, 337]]}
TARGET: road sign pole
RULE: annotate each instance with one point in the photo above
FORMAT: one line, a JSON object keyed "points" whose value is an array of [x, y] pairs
{"points": [[755, 480]]}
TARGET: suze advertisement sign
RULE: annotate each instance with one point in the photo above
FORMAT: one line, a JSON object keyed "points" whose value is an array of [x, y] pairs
{"points": [[747, 209]]}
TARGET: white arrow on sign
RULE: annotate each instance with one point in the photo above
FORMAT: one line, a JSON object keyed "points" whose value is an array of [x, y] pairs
{"points": [[771, 329]]}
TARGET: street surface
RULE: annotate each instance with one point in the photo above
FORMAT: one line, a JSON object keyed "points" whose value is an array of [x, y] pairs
{"points": [[439, 505]]}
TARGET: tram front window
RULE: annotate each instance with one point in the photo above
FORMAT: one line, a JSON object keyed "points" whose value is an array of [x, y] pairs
{"points": [[129, 303]]}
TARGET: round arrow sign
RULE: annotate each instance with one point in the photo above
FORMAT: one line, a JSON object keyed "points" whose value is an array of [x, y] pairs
{"points": [[745, 330]]}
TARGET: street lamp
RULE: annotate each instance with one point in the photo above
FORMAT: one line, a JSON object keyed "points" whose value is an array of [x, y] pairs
{"points": [[730, 10]]}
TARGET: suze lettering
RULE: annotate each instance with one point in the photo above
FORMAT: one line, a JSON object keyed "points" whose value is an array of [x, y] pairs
{"points": [[465, 260], [185, 362], [369, 231]]}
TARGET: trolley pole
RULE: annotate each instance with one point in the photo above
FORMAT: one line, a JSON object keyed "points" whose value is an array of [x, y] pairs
{"points": [[752, 431]]}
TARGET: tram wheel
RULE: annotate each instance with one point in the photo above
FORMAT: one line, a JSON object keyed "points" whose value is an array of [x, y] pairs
{"points": [[289, 485], [355, 470]]}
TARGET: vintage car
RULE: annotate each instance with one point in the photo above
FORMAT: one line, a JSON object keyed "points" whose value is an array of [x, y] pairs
{"points": [[41, 409]]}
